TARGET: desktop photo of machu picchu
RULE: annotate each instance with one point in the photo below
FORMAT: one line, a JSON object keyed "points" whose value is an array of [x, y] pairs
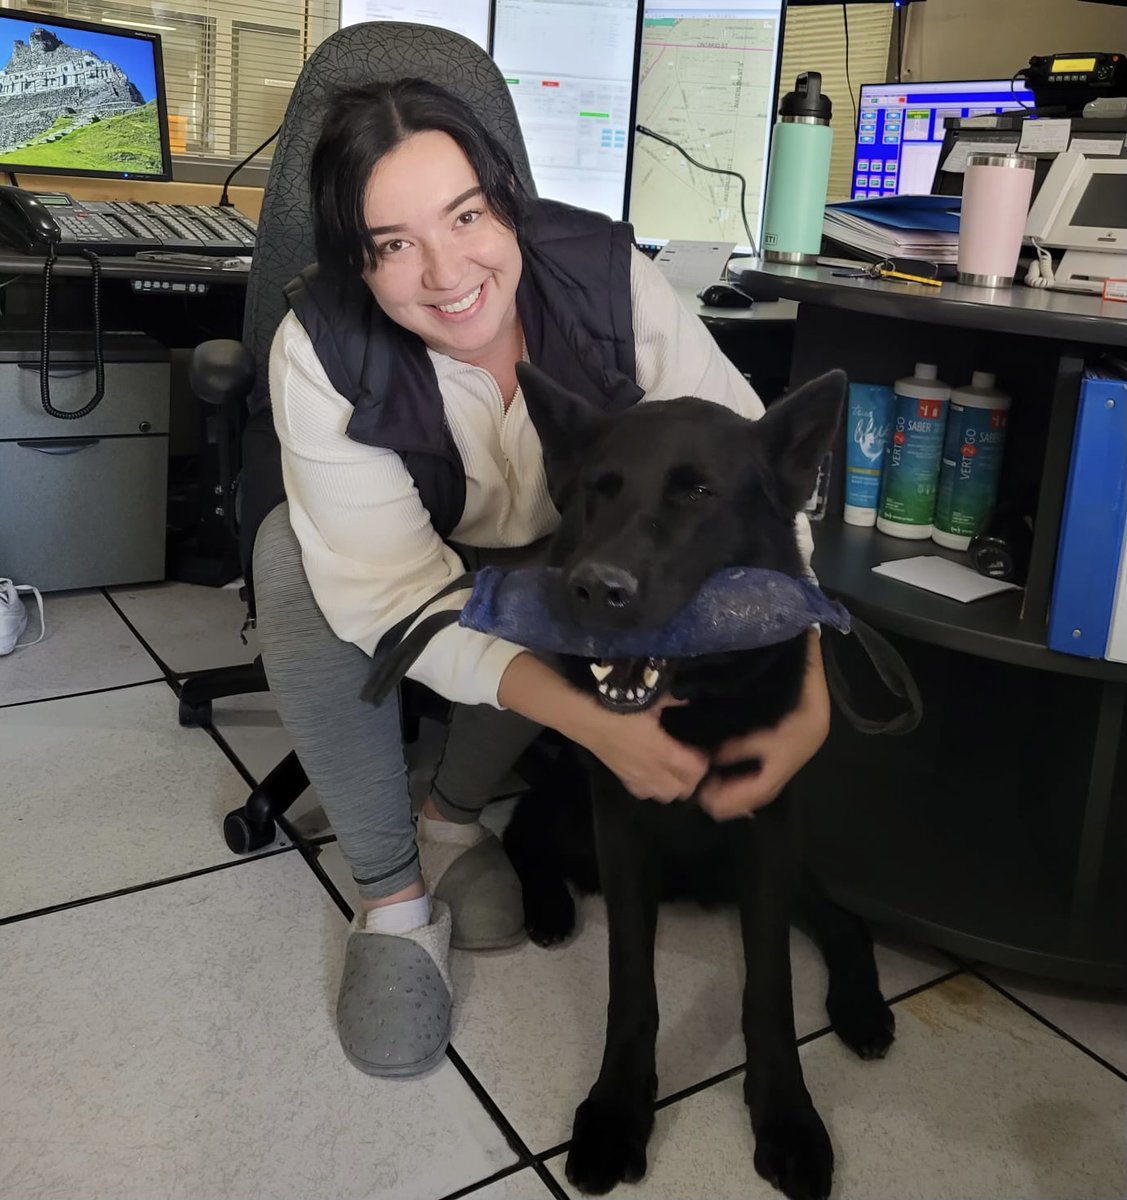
{"points": [[73, 99]]}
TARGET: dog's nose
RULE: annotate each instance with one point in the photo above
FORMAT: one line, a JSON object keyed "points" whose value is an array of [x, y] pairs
{"points": [[599, 585]]}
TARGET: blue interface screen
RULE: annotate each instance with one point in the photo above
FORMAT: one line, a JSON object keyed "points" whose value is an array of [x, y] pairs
{"points": [[900, 132]]}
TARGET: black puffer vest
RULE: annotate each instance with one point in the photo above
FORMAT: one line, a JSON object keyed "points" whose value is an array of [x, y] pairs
{"points": [[574, 305]]}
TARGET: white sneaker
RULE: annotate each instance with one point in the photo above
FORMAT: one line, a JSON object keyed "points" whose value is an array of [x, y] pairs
{"points": [[13, 616]]}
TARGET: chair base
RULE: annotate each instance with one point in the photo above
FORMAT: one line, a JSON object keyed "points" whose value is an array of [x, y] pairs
{"points": [[253, 826], [199, 690]]}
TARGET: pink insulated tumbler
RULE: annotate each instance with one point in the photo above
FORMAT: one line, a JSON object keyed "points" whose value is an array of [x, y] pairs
{"points": [[996, 193]]}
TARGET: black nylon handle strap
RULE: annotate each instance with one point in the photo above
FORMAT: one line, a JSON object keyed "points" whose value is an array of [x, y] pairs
{"points": [[893, 672], [395, 634], [390, 666]]}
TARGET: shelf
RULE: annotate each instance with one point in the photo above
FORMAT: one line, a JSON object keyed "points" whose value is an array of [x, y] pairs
{"points": [[1034, 312], [844, 556], [923, 853]]}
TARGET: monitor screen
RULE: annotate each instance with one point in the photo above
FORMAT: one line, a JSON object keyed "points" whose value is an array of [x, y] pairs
{"points": [[1103, 204], [900, 129], [470, 18], [707, 80], [569, 65], [81, 99]]}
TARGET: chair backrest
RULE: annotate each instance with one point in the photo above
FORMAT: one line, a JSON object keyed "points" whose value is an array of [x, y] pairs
{"points": [[379, 50]]}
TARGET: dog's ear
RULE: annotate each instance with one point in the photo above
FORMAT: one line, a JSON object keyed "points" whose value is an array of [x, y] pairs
{"points": [[798, 432], [566, 423]]}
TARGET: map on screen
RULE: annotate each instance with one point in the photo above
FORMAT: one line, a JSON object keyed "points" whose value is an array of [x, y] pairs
{"points": [[706, 81]]}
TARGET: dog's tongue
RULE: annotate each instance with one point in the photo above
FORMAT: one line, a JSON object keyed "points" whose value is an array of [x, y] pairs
{"points": [[629, 684]]}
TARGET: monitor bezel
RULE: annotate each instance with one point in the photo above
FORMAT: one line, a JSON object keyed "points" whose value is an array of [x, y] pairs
{"points": [[919, 83], [656, 239], [1051, 216], [914, 83], [38, 18]]}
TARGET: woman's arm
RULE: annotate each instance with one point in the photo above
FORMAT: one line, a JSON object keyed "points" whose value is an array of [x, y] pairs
{"points": [[369, 550]]}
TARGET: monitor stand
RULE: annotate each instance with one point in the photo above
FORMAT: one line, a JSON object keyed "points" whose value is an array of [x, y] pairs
{"points": [[1089, 270]]}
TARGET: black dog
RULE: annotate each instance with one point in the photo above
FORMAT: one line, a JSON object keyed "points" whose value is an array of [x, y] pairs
{"points": [[653, 502]]}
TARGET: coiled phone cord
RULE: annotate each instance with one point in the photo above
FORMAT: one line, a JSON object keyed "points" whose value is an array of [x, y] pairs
{"points": [[45, 355]]}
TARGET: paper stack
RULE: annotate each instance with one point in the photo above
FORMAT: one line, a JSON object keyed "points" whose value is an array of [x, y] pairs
{"points": [[916, 227]]}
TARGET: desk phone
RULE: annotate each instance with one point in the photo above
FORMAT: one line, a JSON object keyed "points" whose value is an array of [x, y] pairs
{"points": [[33, 221]]}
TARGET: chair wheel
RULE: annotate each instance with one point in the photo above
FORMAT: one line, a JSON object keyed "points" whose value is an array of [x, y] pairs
{"points": [[242, 835], [195, 715]]}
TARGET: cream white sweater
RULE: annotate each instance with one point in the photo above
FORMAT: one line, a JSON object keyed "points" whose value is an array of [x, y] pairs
{"points": [[367, 544]]}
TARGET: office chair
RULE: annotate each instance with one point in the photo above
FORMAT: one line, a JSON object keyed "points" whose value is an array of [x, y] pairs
{"points": [[234, 375]]}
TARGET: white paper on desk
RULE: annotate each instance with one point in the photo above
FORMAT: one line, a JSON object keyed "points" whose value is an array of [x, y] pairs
{"points": [[1047, 136], [956, 161], [694, 264], [935, 574]]}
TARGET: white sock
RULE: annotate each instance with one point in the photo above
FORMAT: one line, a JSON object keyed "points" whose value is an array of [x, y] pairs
{"points": [[401, 917], [450, 832]]}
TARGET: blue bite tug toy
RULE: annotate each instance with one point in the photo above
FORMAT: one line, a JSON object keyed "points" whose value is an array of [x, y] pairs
{"points": [[740, 608]]}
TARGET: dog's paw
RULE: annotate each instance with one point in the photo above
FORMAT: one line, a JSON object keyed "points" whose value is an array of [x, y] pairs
{"points": [[608, 1145], [549, 914], [863, 1020], [793, 1153]]}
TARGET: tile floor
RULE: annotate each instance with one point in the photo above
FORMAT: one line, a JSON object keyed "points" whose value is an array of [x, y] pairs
{"points": [[166, 1010]]}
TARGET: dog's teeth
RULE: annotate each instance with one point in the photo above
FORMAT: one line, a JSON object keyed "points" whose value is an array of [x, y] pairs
{"points": [[629, 693], [601, 670], [650, 677], [603, 688], [613, 693]]}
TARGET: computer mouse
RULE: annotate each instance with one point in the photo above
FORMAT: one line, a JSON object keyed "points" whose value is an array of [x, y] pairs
{"points": [[724, 295]]}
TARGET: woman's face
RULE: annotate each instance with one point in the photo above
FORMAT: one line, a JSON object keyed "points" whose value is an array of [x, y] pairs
{"points": [[448, 269]]}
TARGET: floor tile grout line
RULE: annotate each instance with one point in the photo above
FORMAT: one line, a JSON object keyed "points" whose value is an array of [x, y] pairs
{"points": [[83, 901], [730, 1072], [471, 1188], [217, 737], [312, 860], [308, 848], [515, 1141], [117, 687], [1040, 1017], [169, 674]]}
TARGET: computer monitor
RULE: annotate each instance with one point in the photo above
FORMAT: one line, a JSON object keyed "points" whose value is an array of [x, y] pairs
{"points": [[81, 99], [470, 18], [569, 65], [1082, 205], [900, 129], [708, 80]]}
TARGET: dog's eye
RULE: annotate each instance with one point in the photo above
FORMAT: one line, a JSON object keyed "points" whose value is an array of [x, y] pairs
{"points": [[698, 492]]}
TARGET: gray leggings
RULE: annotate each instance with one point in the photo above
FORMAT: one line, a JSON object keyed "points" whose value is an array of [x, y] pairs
{"points": [[352, 752]]}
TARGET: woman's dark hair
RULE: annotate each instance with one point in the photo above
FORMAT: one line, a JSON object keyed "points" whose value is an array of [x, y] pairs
{"points": [[362, 125]]}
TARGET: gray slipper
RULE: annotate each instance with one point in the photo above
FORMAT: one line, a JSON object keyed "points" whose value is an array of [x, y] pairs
{"points": [[393, 1011], [482, 890]]}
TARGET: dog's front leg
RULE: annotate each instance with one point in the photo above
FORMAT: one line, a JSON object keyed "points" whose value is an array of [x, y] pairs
{"points": [[613, 1125], [792, 1148]]}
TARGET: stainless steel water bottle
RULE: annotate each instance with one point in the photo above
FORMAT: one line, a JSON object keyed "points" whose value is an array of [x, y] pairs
{"points": [[798, 173]]}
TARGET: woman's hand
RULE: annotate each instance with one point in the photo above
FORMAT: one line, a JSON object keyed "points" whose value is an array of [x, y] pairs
{"points": [[781, 751], [650, 763]]}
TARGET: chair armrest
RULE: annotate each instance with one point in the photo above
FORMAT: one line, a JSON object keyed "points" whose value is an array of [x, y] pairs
{"points": [[221, 371]]}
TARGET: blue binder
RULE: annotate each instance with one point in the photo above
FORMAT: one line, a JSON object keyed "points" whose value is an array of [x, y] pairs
{"points": [[1094, 521]]}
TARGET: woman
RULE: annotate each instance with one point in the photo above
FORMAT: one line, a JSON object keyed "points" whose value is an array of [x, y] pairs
{"points": [[402, 427]]}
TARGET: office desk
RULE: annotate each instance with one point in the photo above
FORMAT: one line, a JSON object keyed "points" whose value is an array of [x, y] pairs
{"points": [[155, 313], [995, 829], [202, 549]]}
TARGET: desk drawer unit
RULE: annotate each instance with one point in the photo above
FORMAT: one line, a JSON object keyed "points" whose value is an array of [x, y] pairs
{"points": [[83, 502]]}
